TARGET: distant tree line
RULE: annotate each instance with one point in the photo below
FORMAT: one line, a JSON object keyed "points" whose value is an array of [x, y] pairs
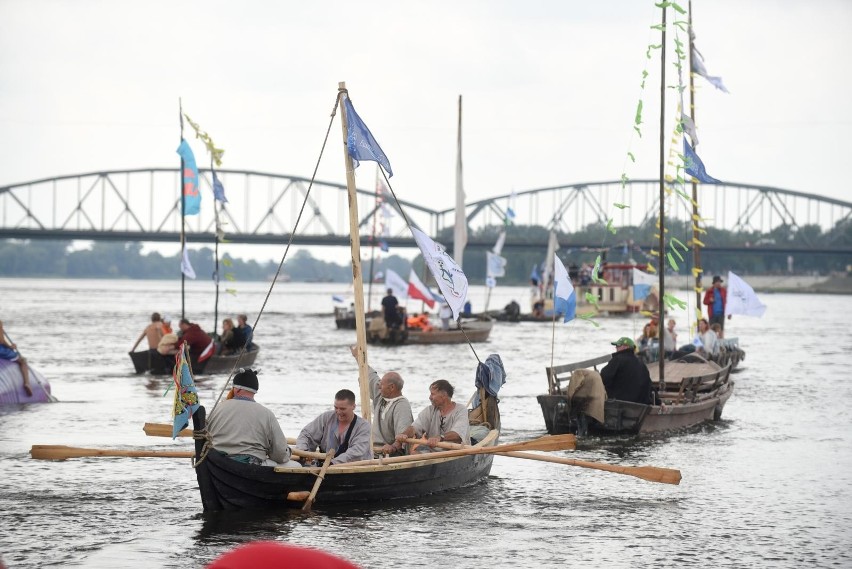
{"points": [[523, 250]]}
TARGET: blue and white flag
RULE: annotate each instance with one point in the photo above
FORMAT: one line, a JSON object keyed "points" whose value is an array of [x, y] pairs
{"points": [[695, 167], [191, 195], [699, 68], [218, 189], [337, 298], [495, 265], [360, 141], [564, 297], [450, 278], [535, 276], [741, 298], [642, 284]]}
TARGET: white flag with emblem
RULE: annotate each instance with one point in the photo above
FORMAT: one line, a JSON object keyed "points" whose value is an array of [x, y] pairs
{"points": [[450, 278]]}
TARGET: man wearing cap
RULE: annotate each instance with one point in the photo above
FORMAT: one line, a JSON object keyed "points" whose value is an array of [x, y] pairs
{"points": [[625, 377], [715, 299], [245, 430]]}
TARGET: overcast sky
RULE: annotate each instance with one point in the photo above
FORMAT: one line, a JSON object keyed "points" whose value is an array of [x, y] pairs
{"points": [[549, 87]]}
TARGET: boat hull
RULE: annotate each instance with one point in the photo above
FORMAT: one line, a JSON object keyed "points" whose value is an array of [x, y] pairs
{"points": [[625, 417], [158, 364], [12, 385], [225, 484]]}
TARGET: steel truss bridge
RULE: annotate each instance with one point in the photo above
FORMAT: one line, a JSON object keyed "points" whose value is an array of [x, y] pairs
{"points": [[144, 205]]}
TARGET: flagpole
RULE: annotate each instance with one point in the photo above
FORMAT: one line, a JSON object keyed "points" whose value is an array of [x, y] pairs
{"points": [[216, 212], [696, 253], [355, 246], [182, 221], [662, 243]]}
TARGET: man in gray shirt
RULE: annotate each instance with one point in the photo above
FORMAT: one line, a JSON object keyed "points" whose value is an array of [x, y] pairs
{"points": [[391, 410], [341, 430], [247, 431], [444, 420]]}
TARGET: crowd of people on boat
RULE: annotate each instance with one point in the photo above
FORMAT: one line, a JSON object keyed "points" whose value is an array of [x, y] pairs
{"points": [[166, 341], [248, 432]]}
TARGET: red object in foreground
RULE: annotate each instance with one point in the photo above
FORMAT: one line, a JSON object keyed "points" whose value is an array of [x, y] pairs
{"points": [[270, 554]]}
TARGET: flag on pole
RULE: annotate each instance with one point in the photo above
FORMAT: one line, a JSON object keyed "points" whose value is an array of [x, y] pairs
{"points": [[360, 141], [395, 282], [218, 189], [450, 278], [695, 167], [741, 298], [699, 68], [191, 195], [501, 240], [186, 395], [419, 291], [490, 282], [535, 276], [186, 266], [495, 265], [552, 247], [460, 229], [642, 284], [564, 297]]}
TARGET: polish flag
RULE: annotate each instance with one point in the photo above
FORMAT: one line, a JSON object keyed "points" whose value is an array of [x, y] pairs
{"points": [[417, 290]]}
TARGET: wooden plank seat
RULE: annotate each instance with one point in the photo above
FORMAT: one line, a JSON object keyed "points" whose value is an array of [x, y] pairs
{"points": [[562, 374]]}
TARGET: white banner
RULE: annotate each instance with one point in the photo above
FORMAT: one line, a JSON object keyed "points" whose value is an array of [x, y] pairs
{"points": [[395, 282], [450, 278], [741, 298], [495, 265], [186, 266]]}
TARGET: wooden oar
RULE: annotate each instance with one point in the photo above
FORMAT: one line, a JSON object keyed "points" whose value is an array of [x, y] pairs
{"points": [[165, 430], [650, 473], [320, 477], [546, 443], [62, 452]]}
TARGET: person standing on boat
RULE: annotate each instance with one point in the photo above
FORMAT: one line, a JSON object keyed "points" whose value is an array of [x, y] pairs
{"points": [[243, 333], [9, 352], [391, 410], [341, 430], [443, 420], [715, 299], [153, 331], [625, 377], [389, 309], [245, 430], [201, 346], [445, 314]]}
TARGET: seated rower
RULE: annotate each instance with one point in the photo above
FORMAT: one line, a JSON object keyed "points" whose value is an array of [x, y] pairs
{"points": [[341, 430], [391, 410], [245, 430], [443, 421]]}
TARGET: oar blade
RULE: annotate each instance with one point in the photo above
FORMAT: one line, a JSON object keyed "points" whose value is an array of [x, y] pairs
{"points": [[545, 443]]}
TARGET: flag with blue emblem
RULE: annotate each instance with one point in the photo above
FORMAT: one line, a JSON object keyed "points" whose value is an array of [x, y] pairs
{"points": [[695, 167], [191, 195], [642, 284], [360, 141], [564, 297], [186, 395], [218, 189]]}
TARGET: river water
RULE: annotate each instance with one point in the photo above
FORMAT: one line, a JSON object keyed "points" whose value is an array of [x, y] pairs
{"points": [[769, 485]]}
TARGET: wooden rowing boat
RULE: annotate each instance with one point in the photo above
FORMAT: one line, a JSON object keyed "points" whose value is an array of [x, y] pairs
{"points": [[157, 364], [694, 391], [225, 484]]}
